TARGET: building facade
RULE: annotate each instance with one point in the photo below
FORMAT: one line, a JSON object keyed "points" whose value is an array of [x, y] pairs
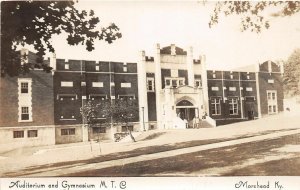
{"points": [[173, 91]]}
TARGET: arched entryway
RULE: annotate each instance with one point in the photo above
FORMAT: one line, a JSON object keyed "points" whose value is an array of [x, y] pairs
{"points": [[186, 111]]}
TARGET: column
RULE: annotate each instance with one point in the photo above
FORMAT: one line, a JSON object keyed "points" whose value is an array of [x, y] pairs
{"points": [[190, 67], [158, 87], [142, 92], [204, 84]]}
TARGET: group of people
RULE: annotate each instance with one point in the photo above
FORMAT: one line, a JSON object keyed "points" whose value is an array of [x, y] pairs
{"points": [[195, 123]]}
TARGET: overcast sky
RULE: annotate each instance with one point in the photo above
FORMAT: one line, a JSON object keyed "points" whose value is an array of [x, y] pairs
{"points": [[143, 24]]}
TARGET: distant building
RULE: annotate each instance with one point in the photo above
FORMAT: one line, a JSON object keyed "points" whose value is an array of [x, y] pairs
{"points": [[173, 90]]}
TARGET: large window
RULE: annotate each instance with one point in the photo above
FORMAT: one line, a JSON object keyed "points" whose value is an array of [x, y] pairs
{"points": [[272, 101], [216, 106], [150, 84], [233, 106]]}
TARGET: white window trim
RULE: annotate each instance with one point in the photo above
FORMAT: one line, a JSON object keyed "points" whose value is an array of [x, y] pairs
{"points": [[125, 84], [232, 88], [97, 84], [249, 89], [66, 83], [272, 102], [215, 88]]}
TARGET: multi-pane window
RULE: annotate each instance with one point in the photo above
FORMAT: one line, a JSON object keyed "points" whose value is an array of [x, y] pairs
{"points": [[174, 82], [70, 131], [18, 134], [150, 84], [24, 87], [215, 106], [233, 106], [32, 133], [272, 101], [24, 113]]}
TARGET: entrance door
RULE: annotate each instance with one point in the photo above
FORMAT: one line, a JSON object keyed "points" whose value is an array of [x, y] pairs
{"points": [[186, 113], [272, 101], [249, 107]]}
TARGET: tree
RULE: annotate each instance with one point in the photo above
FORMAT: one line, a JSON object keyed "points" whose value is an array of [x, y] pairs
{"points": [[125, 111], [291, 77], [252, 13], [35, 22], [118, 112], [91, 111]]}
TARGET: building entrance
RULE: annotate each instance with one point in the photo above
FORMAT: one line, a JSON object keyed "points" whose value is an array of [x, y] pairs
{"points": [[186, 111]]}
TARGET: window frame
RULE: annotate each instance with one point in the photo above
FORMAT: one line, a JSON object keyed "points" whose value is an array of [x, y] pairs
{"points": [[150, 79], [215, 106], [233, 106]]}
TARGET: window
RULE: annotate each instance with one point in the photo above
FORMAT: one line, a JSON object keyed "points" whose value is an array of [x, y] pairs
{"points": [[67, 66], [97, 68], [125, 85], [233, 106], [168, 82], [24, 113], [197, 83], [97, 84], [272, 101], [216, 106], [232, 88], [215, 88], [99, 129], [150, 84], [175, 82], [70, 131], [66, 84], [18, 134], [126, 97], [249, 89], [24, 87], [271, 95], [32, 133], [97, 97]]}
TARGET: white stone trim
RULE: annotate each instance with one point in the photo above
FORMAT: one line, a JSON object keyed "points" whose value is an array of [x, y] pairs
{"points": [[66, 83], [97, 84], [125, 85]]}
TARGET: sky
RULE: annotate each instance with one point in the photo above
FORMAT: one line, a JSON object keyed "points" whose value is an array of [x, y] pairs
{"points": [[144, 24]]}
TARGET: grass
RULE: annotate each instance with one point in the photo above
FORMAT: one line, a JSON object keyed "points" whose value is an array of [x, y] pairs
{"points": [[134, 153], [194, 163]]}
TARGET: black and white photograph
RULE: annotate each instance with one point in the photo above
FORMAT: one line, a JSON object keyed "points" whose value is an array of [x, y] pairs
{"points": [[150, 89]]}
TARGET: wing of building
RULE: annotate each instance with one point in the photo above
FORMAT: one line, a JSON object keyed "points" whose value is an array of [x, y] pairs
{"points": [[173, 91]]}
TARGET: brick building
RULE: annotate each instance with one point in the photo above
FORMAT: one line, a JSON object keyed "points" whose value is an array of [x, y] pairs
{"points": [[27, 109], [173, 90]]}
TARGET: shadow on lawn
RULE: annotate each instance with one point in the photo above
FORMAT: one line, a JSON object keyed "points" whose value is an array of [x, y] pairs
{"points": [[194, 163], [204, 158]]}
